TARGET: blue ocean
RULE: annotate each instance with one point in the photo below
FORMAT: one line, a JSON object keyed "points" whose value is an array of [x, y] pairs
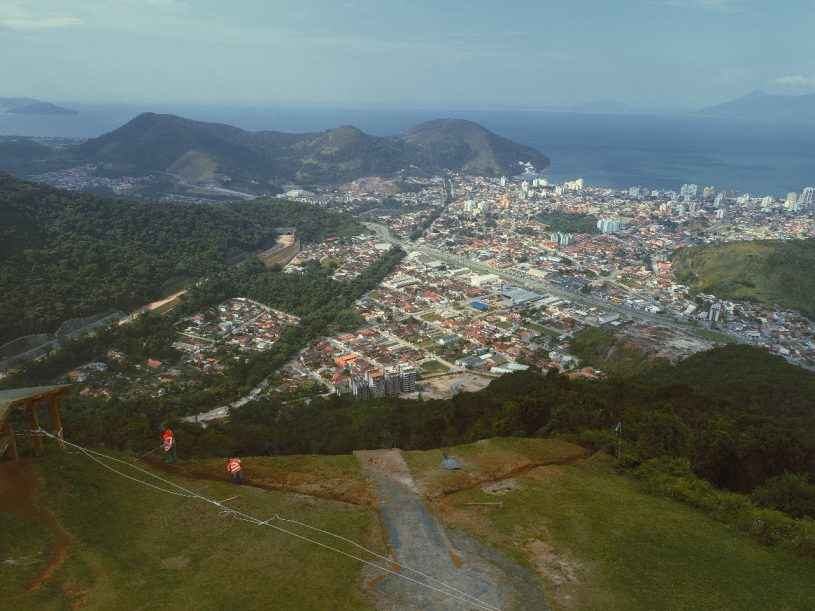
{"points": [[615, 150]]}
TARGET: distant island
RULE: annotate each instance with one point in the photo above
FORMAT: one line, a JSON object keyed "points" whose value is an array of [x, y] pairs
{"points": [[30, 106], [762, 106]]}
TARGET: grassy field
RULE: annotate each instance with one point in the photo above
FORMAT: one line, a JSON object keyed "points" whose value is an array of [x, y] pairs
{"points": [[768, 271], [599, 542], [338, 478], [486, 460], [713, 335], [135, 548], [431, 367], [569, 223], [195, 166], [596, 538]]}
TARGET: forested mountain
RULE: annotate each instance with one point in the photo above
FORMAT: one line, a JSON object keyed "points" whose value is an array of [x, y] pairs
{"points": [[768, 271], [64, 255], [468, 147], [197, 152]]}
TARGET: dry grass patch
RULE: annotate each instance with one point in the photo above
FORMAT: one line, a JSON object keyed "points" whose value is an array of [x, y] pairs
{"points": [[337, 478], [487, 461]]}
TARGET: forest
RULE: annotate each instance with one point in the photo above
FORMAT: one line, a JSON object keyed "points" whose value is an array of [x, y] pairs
{"points": [[65, 255], [569, 223]]}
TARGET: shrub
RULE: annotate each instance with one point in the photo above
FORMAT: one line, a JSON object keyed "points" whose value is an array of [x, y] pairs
{"points": [[791, 493], [674, 478]]}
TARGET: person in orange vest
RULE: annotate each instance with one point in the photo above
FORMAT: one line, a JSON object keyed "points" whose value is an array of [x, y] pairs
{"points": [[168, 445], [233, 467]]}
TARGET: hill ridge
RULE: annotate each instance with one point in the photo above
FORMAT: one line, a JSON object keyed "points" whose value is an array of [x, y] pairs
{"points": [[152, 142]]}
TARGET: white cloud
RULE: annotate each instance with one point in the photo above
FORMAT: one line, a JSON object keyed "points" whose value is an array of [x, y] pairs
{"points": [[722, 6], [39, 23], [18, 16], [50, 14], [799, 81], [169, 4]]}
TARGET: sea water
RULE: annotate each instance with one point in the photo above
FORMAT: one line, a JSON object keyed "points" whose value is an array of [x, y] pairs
{"points": [[614, 150]]}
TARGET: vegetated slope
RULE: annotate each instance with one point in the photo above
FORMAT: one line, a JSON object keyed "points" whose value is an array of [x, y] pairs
{"points": [[615, 355], [738, 414], [65, 255], [468, 147], [599, 540], [22, 155], [767, 271], [157, 143], [133, 547], [767, 107]]}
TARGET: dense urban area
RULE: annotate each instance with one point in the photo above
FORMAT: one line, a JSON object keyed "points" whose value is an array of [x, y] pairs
{"points": [[500, 275]]}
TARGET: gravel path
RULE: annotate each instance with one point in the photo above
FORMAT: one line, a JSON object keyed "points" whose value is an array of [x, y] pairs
{"points": [[417, 540]]}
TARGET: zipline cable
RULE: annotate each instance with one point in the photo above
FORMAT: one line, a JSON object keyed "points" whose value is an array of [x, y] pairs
{"points": [[450, 591]]}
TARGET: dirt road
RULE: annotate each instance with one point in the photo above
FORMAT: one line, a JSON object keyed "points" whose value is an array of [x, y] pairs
{"points": [[417, 540]]}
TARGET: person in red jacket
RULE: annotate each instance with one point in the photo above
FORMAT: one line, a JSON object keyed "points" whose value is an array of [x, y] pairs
{"points": [[233, 467], [168, 445]]}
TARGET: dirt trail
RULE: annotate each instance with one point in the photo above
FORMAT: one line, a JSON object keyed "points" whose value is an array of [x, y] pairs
{"points": [[419, 541], [343, 491], [19, 484]]}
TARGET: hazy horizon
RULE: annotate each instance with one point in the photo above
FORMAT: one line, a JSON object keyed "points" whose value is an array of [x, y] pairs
{"points": [[429, 55]]}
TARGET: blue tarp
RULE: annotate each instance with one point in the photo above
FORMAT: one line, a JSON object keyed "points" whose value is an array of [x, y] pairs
{"points": [[451, 464]]}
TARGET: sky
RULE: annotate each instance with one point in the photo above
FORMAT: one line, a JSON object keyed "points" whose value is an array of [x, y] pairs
{"points": [[473, 54]]}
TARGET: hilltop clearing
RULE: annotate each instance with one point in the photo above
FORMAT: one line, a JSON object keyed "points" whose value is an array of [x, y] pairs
{"points": [[597, 539], [87, 538], [135, 547]]}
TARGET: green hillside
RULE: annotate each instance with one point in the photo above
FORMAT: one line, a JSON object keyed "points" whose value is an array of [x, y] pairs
{"points": [[599, 541], [767, 271], [127, 546], [466, 146], [154, 144], [79, 536], [65, 255]]}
